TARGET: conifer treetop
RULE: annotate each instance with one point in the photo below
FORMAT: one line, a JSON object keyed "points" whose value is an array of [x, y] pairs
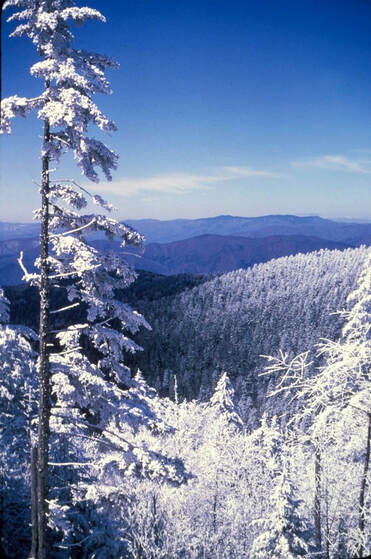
{"points": [[223, 403], [71, 76], [359, 318]]}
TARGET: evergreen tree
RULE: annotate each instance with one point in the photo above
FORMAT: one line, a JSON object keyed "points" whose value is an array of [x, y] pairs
{"points": [[332, 408], [283, 534], [77, 396], [18, 396], [222, 403], [71, 77]]}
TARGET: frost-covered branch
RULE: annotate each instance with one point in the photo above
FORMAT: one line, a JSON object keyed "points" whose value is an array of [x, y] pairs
{"points": [[293, 372], [67, 308]]}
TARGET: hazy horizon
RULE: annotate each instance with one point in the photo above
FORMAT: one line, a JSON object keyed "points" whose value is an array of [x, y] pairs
{"points": [[338, 219]]}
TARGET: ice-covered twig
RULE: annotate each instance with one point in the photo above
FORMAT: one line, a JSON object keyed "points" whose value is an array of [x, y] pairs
{"points": [[27, 276], [65, 233], [72, 350], [71, 464], [76, 272], [65, 308]]}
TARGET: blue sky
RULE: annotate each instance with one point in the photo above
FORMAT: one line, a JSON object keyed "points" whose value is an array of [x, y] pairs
{"points": [[223, 107]]}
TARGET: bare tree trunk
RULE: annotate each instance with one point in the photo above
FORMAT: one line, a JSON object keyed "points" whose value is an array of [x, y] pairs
{"points": [[215, 503], [317, 497], [1, 514], [44, 365], [327, 522], [155, 520], [361, 521], [35, 538]]}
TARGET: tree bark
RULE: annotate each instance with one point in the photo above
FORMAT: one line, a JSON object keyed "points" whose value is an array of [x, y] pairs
{"points": [[34, 523], [44, 365], [361, 520], [327, 522], [215, 505], [317, 498], [155, 520], [1, 514]]}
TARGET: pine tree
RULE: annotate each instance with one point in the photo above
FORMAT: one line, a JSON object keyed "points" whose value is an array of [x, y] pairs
{"points": [[332, 409], [71, 78], [346, 380], [283, 534], [18, 397], [222, 423], [223, 405]]}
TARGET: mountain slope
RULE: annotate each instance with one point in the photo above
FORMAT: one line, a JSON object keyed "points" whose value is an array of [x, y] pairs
{"points": [[214, 254], [202, 328], [228, 323]]}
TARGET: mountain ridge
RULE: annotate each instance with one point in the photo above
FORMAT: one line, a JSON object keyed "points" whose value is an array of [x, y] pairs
{"points": [[215, 254], [203, 254], [238, 242], [165, 231], [262, 226]]}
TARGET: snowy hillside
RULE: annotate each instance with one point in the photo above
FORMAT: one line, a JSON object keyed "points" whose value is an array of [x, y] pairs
{"points": [[228, 322]]}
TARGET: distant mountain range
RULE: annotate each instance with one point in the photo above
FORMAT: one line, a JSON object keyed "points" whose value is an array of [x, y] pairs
{"points": [[205, 254], [18, 230], [158, 231], [203, 246]]}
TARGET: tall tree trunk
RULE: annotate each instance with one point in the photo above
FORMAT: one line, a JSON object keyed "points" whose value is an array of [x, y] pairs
{"points": [[361, 521], [44, 365], [34, 522], [1, 513], [215, 504], [155, 521], [317, 497], [327, 526]]}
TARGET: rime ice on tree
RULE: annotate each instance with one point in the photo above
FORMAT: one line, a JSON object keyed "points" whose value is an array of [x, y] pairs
{"points": [[71, 76], [18, 396], [72, 388], [223, 404]]}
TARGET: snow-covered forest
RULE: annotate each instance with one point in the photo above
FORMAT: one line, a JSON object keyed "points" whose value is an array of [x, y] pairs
{"points": [[155, 477], [230, 322], [243, 429]]}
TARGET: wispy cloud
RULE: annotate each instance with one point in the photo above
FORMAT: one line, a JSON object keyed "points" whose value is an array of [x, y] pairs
{"points": [[178, 183], [238, 171], [336, 163]]}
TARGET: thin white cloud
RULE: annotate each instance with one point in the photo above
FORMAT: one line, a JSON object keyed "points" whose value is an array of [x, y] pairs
{"points": [[336, 163], [238, 171], [178, 183]]}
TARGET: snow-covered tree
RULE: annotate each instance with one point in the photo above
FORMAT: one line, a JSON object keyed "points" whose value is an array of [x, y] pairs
{"points": [[344, 388], [18, 396], [331, 405], [283, 533], [223, 405], [78, 396], [71, 77]]}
